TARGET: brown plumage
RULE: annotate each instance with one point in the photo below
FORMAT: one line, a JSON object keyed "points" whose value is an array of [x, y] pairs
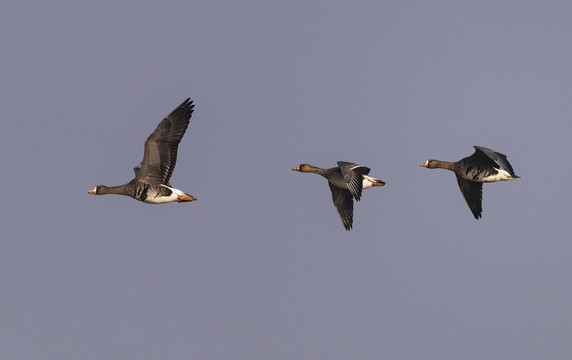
{"points": [[152, 176], [346, 181]]}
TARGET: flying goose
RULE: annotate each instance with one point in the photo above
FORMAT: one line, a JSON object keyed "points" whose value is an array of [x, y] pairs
{"points": [[485, 165], [346, 182], [151, 183]]}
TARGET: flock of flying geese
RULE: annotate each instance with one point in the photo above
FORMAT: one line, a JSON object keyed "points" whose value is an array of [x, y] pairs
{"points": [[151, 183]]}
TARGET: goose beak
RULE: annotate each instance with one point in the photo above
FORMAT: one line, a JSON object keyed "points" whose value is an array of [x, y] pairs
{"points": [[93, 191], [297, 168], [424, 164], [185, 198]]}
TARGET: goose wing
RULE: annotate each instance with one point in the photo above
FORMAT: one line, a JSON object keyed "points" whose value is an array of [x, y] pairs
{"points": [[353, 176], [161, 146], [473, 194], [492, 158], [344, 204]]}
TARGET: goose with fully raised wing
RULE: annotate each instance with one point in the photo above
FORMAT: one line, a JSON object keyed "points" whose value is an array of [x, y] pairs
{"points": [[151, 184]]}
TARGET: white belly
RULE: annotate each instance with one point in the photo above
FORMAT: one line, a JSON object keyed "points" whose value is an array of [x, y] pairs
{"points": [[502, 175], [164, 199]]}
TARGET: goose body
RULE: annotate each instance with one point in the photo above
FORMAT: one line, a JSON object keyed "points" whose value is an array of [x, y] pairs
{"points": [[346, 182], [485, 165], [151, 184]]}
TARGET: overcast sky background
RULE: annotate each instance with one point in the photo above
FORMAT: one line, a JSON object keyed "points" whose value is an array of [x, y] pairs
{"points": [[260, 267]]}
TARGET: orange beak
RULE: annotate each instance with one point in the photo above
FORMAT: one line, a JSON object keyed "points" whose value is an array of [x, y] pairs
{"points": [[297, 168]]}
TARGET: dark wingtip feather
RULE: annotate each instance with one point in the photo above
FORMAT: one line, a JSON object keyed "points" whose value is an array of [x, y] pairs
{"points": [[185, 109], [347, 221]]}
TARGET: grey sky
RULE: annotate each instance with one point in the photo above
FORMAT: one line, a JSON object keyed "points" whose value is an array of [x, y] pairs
{"points": [[260, 267]]}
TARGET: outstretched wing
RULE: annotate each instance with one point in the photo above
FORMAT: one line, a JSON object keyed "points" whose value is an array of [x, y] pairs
{"points": [[473, 194], [353, 176], [344, 204], [161, 146]]}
